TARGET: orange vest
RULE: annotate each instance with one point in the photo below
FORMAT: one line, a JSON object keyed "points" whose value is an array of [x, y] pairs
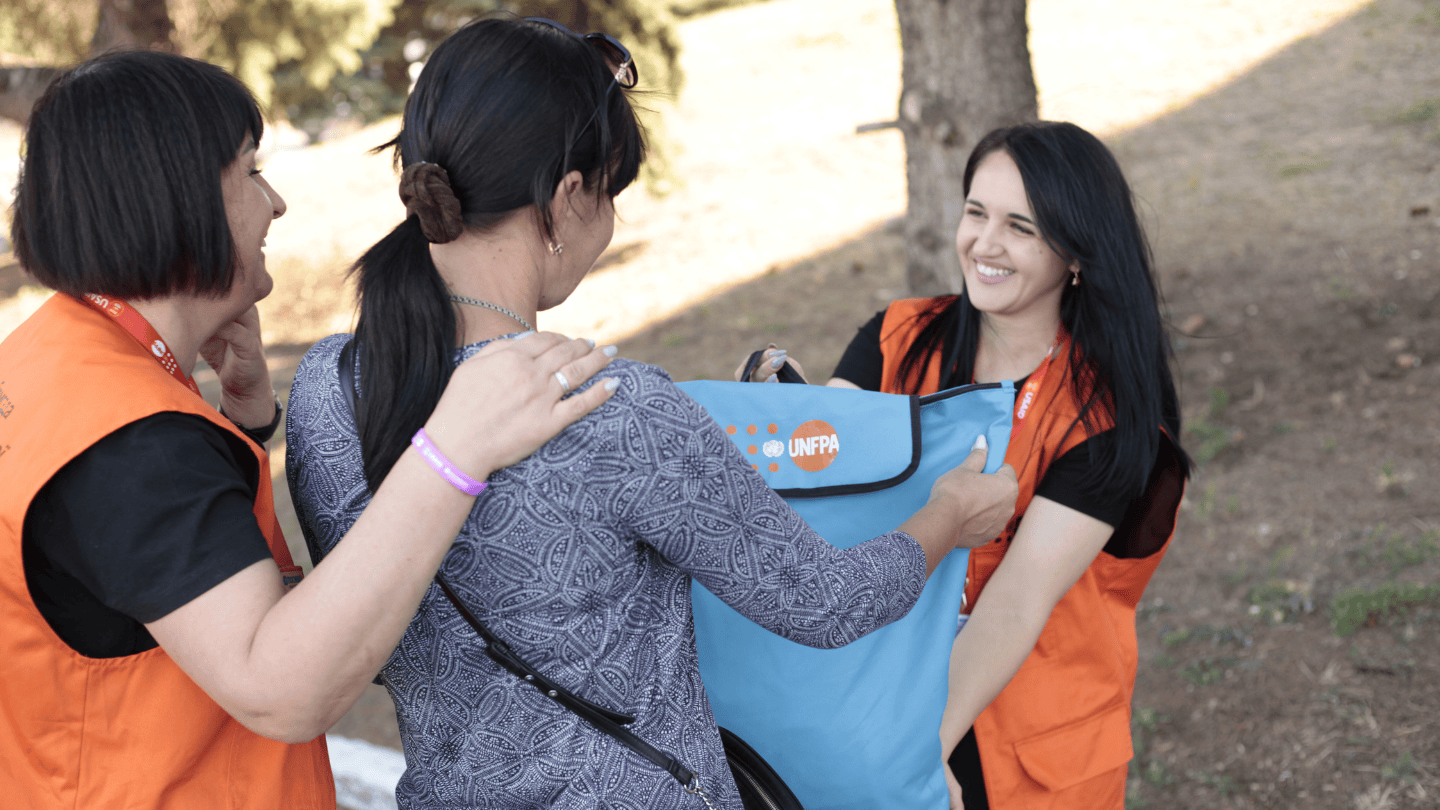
{"points": [[130, 733], [1058, 735]]}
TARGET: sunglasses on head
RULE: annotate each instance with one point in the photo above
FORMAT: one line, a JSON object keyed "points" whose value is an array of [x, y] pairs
{"points": [[617, 57]]}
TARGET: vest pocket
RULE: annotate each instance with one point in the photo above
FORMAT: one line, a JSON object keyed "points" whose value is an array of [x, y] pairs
{"points": [[1069, 755]]}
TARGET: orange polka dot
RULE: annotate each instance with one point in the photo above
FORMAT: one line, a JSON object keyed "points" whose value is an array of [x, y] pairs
{"points": [[752, 450], [756, 467], [774, 428], [751, 430], [774, 467], [730, 430]]}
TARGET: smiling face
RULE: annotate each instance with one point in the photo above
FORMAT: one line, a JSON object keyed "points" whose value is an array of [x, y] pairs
{"points": [[1009, 269], [250, 206]]}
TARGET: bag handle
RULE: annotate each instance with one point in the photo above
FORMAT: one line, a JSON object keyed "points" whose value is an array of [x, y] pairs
{"points": [[610, 722], [786, 374]]}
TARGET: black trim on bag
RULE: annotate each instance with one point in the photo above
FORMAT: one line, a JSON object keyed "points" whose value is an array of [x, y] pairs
{"points": [[875, 486]]}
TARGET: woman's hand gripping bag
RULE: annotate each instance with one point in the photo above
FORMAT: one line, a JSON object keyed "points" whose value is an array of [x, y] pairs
{"points": [[856, 727]]}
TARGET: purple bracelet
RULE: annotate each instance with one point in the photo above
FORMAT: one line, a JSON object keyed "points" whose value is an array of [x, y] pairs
{"points": [[440, 464]]}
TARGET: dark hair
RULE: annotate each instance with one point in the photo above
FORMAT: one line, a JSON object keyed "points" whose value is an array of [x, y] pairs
{"points": [[497, 108], [1120, 355], [120, 192]]}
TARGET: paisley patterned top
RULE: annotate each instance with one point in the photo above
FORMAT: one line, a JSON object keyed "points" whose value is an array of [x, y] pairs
{"points": [[580, 557]]}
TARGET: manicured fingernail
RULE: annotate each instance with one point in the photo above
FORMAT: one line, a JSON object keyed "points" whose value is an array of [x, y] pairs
{"points": [[980, 443], [778, 361], [611, 384], [610, 351], [591, 342], [771, 378]]}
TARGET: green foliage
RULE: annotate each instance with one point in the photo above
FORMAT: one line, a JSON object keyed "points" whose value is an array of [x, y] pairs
{"points": [[1402, 770], [1213, 437], [50, 32], [1223, 784], [1419, 112], [1357, 607], [1206, 671], [1156, 775], [254, 39], [310, 61]]}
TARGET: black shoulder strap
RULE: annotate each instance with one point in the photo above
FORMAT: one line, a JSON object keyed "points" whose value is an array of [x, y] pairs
{"points": [[612, 723]]}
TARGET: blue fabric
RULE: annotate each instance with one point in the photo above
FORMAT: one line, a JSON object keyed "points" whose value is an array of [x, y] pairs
{"points": [[856, 727], [580, 557]]}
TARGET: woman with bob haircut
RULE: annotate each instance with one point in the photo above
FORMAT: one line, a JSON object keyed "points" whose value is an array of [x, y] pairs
{"points": [[515, 141], [1058, 296], [160, 648]]}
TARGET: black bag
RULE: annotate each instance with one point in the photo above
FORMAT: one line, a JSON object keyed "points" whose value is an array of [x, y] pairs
{"points": [[761, 788]]}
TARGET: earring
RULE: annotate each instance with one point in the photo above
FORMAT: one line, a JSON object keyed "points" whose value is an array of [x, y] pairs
{"points": [[556, 248], [1075, 278]]}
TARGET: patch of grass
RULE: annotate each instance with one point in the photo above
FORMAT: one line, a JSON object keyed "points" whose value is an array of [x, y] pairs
{"points": [[674, 341], [1223, 784], [1219, 402], [1417, 113], [1147, 719], [1400, 552], [1206, 504], [1239, 575], [1298, 169], [1402, 771], [1359, 607], [1206, 671], [1280, 600], [1232, 504], [1156, 775], [1212, 439], [1328, 445], [1282, 428], [1165, 661], [1281, 556]]}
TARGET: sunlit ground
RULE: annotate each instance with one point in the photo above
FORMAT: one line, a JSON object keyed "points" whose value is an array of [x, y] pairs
{"points": [[769, 166]]}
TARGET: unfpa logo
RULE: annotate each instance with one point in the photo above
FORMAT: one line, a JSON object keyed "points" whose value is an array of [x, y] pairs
{"points": [[813, 445]]}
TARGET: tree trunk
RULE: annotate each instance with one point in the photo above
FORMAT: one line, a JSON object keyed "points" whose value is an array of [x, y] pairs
{"points": [[20, 88], [965, 71], [132, 24], [119, 24]]}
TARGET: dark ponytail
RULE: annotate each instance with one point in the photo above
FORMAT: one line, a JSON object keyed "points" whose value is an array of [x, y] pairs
{"points": [[1120, 354], [501, 112], [404, 339]]}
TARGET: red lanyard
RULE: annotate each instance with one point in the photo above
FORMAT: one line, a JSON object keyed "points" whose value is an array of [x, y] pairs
{"points": [[135, 324], [1031, 388]]}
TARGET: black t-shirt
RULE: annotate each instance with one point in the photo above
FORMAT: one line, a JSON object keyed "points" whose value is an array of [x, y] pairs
{"points": [[1065, 480], [145, 520]]}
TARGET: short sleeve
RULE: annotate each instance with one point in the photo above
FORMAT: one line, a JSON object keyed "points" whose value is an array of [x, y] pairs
{"points": [[1066, 481], [152, 516], [862, 363]]}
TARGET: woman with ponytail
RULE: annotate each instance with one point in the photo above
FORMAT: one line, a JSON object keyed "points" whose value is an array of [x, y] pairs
{"points": [[1058, 296], [159, 648], [578, 561]]}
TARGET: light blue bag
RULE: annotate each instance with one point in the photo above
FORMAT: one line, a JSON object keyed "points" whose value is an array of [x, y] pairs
{"points": [[856, 727]]}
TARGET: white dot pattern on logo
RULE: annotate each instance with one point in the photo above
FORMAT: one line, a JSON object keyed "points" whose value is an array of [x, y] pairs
{"points": [[774, 448]]}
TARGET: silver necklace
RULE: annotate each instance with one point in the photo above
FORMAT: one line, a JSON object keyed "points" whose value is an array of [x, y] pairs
{"points": [[476, 302]]}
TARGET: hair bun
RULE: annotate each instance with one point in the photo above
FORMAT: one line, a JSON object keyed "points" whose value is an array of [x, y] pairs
{"points": [[425, 191]]}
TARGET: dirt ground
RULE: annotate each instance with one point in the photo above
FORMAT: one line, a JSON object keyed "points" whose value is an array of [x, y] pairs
{"points": [[1289, 654]]}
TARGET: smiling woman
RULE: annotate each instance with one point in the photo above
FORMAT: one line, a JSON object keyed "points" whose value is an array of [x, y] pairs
{"points": [[158, 648], [1059, 296]]}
